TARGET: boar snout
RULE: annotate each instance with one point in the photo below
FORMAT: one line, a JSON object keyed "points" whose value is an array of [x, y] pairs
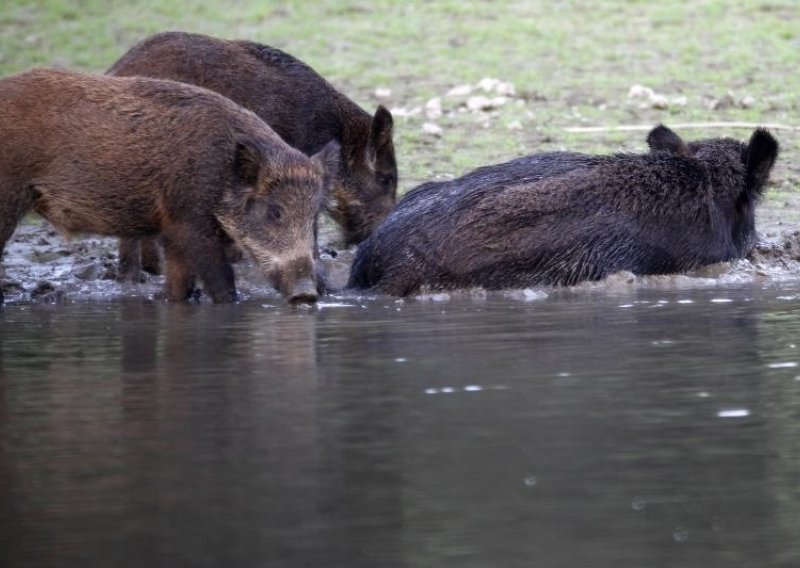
{"points": [[296, 281], [303, 292]]}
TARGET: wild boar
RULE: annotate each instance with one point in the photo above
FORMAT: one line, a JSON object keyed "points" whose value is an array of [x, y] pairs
{"points": [[301, 106], [136, 157], [560, 218]]}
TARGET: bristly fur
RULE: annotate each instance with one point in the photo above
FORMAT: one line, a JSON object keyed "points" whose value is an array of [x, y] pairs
{"points": [[560, 218], [301, 106], [138, 157]]}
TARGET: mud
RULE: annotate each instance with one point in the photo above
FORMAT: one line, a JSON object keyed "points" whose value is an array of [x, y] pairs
{"points": [[41, 266]]}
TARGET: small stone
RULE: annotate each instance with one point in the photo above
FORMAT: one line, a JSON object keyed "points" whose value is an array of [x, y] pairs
{"points": [[483, 119], [402, 111], [723, 102], [432, 129], [459, 91], [433, 108], [42, 287], [487, 84], [503, 88], [383, 92], [88, 271], [659, 102], [640, 92], [516, 125], [479, 103], [747, 102], [10, 286]]}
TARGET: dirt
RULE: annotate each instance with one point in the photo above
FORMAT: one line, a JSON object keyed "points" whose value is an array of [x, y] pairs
{"points": [[41, 266]]}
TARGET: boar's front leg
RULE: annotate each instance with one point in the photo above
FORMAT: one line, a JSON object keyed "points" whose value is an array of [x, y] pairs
{"points": [[191, 253], [180, 280]]}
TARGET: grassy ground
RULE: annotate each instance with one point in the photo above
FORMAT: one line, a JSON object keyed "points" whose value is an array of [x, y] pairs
{"points": [[572, 64]]}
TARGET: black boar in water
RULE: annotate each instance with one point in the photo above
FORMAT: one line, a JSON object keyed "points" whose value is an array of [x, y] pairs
{"points": [[135, 157], [560, 218], [302, 107]]}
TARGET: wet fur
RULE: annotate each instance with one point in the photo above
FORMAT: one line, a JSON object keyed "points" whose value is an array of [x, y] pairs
{"points": [[561, 218]]}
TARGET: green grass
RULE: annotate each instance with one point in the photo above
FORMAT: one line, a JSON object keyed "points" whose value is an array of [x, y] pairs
{"points": [[572, 62]]}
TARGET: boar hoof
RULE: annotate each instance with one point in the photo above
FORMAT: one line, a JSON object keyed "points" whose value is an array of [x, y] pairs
{"points": [[152, 268]]}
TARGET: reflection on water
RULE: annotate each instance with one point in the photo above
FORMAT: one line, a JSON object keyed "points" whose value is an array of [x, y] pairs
{"points": [[655, 428]]}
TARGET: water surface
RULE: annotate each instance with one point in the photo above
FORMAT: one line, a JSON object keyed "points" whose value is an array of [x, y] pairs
{"points": [[588, 428]]}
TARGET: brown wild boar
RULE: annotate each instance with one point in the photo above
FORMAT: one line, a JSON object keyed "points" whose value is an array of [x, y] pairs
{"points": [[136, 157], [563, 217], [301, 106]]}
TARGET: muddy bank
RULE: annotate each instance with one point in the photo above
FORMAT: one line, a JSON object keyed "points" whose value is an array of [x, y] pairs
{"points": [[42, 266]]}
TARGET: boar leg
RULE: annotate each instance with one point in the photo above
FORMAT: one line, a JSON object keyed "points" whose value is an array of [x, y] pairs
{"points": [[6, 230], [14, 203], [129, 264], [191, 254], [217, 276], [180, 281], [151, 259], [136, 255]]}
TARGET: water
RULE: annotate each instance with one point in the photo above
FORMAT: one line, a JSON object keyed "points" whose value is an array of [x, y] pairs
{"points": [[586, 428]]}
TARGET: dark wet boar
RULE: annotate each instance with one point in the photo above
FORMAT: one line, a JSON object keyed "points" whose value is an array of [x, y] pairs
{"points": [[136, 157], [302, 107], [561, 218]]}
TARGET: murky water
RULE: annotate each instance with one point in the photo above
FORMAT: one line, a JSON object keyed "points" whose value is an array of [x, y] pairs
{"points": [[587, 428]]}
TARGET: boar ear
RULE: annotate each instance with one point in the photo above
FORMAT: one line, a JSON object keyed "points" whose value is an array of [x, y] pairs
{"points": [[329, 161], [760, 155], [380, 136], [662, 139], [247, 161]]}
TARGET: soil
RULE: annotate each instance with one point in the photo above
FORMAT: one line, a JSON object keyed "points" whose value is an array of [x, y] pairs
{"points": [[41, 266]]}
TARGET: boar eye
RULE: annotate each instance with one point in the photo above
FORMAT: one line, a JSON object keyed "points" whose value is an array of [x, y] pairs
{"points": [[385, 181], [275, 212]]}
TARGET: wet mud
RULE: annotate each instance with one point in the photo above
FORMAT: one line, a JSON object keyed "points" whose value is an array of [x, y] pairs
{"points": [[42, 266]]}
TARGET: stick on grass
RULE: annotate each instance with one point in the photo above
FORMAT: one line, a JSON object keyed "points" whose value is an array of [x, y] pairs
{"points": [[685, 125]]}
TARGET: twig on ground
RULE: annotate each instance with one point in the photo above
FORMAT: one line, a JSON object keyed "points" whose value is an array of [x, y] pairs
{"points": [[643, 127]]}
